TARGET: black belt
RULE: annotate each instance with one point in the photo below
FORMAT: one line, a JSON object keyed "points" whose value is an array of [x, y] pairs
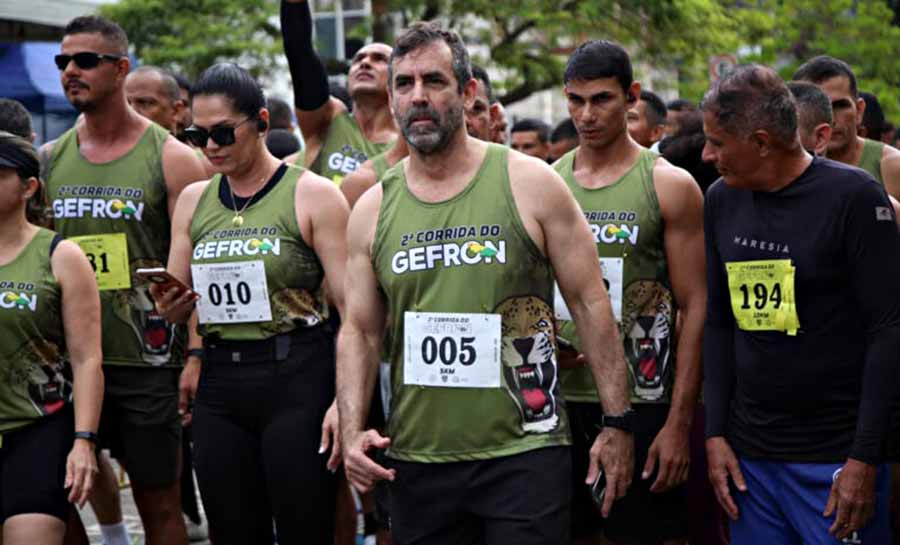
{"points": [[272, 349]]}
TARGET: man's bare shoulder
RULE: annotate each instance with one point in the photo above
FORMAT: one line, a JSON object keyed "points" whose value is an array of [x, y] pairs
{"points": [[675, 187]]}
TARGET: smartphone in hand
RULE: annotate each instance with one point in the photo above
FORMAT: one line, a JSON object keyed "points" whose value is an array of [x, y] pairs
{"points": [[162, 278], [598, 490]]}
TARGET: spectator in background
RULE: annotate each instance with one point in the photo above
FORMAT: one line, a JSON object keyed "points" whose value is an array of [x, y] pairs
{"points": [[873, 118], [282, 142], [647, 119], [184, 93], [563, 139], [279, 114], [887, 133], [530, 136], [478, 112], [674, 111], [154, 93], [16, 119], [685, 147], [499, 123], [814, 116]]}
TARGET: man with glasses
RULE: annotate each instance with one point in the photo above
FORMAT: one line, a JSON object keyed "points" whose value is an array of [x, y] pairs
{"points": [[113, 181]]}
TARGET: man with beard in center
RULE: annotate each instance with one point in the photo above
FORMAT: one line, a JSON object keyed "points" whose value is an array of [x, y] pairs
{"points": [[455, 252]]}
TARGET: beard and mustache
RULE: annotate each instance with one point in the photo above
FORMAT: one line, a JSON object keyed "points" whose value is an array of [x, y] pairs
{"points": [[430, 139]]}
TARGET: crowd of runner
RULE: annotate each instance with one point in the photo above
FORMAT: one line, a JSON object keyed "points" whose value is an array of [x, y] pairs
{"points": [[651, 324]]}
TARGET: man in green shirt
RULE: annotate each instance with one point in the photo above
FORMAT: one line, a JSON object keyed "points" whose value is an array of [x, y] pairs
{"points": [[113, 181], [837, 79], [455, 251]]}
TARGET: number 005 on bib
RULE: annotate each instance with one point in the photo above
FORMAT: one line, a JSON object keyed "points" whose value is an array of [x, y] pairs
{"points": [[451, 349], [232, 293]]}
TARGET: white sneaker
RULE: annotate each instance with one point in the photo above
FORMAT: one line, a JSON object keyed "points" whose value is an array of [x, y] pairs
{"points": [[196, 532]]}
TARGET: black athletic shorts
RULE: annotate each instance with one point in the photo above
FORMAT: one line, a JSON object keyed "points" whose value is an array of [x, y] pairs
{"points": [[522, 499], [33, 467], [140, 423], [641, 516]]}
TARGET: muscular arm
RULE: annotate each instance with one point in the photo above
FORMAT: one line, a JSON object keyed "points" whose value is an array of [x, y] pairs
{"points": [[181, 167], [315, 107], [356, 183], [359, 342], [81, 323], [566, 237], [328, 212], [890, 171], [681, 204]]}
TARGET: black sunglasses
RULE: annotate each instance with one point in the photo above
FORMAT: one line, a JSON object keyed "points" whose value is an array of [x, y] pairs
{"points": [[222, 136], [84, 60]]}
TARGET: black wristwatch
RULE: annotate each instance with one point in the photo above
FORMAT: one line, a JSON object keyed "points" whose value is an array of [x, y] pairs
{"points": [[88, 436], [624, 422], [196, 352]]}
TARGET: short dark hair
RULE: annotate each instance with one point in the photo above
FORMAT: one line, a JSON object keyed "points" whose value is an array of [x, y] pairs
{"points": [[822, 68], [282, 142], [565, 130], [750, 98], [681, 105], [813, 105], [656, 108], [873, 117], [95, 24], [14, 118], [530, 124], [183, 82], [425, 33], [598, 59], [481, 75], [169, 83], [235, 83], [279, 113]]}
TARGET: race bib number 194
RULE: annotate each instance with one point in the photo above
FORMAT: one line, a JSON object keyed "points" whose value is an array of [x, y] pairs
{"points": [[762, 295], [451, 349]]}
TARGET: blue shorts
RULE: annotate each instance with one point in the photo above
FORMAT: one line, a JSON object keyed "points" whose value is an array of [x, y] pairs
{"points": [[784, 502]]}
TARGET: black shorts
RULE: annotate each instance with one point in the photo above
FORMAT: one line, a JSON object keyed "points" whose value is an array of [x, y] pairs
{"points": [[641, 516], [140, 423], [33, 467], [522, 499]]}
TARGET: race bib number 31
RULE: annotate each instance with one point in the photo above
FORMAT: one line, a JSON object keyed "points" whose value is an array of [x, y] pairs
{"points": [[232, 293], [612, 268], [762, 295], [108, 255], [449, 349]]}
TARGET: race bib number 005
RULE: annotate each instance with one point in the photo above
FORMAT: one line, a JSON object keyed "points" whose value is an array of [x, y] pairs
{"points": [[108, 255], [232, 293], [452, 350], [612, 268], [762, 295]]}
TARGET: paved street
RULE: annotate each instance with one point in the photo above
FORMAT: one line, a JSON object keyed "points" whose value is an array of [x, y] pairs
{"points": [[130, 515]]}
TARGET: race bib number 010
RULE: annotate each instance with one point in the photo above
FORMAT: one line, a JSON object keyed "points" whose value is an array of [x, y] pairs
{"points": [[762, 295], [232, 293], [613, 269], [450, 349], [108, 255]]}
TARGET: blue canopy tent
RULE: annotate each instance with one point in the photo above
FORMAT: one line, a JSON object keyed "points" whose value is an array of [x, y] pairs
{"points": [[28, 74]]}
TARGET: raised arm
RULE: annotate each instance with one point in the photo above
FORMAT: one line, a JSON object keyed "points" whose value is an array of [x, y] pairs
{"points": [[315, 107]]}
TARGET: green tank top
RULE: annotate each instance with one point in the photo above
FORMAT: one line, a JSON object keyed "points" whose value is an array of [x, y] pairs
{"points": [[870, 160], [289, 277], [345, 149], [473, 347], [36, 376], [118, 212], [380, 166], [628, 229]]}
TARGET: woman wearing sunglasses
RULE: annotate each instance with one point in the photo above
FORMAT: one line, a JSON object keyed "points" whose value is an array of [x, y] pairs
{"points": [[255, 243], [49, 349]]}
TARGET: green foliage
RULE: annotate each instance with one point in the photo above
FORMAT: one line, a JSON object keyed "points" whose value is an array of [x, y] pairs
{"points": [[857, 31], [189, 36]]}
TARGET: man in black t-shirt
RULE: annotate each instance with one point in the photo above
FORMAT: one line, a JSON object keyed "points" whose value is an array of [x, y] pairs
{"points": [[801, 338]]}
